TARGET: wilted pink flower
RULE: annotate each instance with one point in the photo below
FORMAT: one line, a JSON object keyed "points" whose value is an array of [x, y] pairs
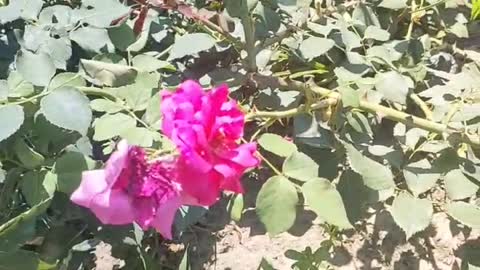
{"points": [[205, 127], [130, 189]]}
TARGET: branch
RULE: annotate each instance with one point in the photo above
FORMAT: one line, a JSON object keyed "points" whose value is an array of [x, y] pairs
{"points": [[276, 38], [292, 112], [235, 41], [386, 112]]}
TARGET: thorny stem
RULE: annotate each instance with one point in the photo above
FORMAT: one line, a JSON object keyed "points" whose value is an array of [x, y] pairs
{"points": [[389, 113], [292, 112], [428, 113]]}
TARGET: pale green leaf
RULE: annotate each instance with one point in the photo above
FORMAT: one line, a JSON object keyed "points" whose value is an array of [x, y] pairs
{"points": [[67, 79], [327, 203], [17, 86], [350, 96], [138, 136], [315, 46], [112, 125], [67, 108], [236, 207], [465, 213], [300, 166], [153, 114], [38, 69], [149, 63], [376, 33], [375, 175], [276, 204], [108, 74], [412, 215], [12, 119], [458, 186], [92, 39], [183, 45], [393, 86], [105, 105], [420, 176], [276, 144], [393, 4]]}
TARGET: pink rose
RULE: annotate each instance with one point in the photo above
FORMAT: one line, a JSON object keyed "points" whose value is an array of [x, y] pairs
{"points": [[130, 189], [205, 126]]}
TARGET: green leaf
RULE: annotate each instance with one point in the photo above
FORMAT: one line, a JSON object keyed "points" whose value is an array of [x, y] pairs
{"points": [[92, 39], [189, 215], [315, 46], [17, 86], [108, 74], [67, 79], [277, 145], [101, 13], [122, 36], [376, 33], [137, 95], [184, 263], [38, 186], [350, 96], [458, 186], [12, 119], [153, 115], [112, 125], [149, 63], [276, 204], [236, 208], [327, 203], [420, 176], [3, 90], [393, 86], [475, 13], [38, 69], [465, 213], [355, 195], [12, 226], [183, 45], [350, 39], [265, 265], [300, 166], [393, 4], [68, 170], [138, 136], [240, 8], [19, 259], [359, 122], [27, 156], [67, 108], [105, 105], [411, 214], [375, 175]]}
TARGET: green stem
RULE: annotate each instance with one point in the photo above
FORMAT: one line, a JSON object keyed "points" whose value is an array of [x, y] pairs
{"points": [[386, 112], [249, 31]]}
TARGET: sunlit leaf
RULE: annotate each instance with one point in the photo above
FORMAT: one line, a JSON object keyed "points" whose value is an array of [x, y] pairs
{"points": [[327, 203], [412, 215], [276, 204]]}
